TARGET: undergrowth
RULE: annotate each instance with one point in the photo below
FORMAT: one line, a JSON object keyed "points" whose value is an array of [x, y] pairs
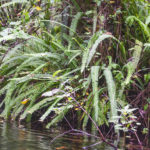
{"points": [[58, 60]]}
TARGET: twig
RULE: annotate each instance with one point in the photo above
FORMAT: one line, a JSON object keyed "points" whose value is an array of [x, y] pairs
{"points": [[101, 135], [86, 133], [68, 123], [91, 145], [60, 135], [109, 131]]}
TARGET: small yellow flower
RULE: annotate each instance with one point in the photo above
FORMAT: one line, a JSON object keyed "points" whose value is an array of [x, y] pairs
{"points": [[87, 93], [82, 103], [69, 98], [25, 101], [38, 8], [125, 113], [112, 2], [76, 108]]}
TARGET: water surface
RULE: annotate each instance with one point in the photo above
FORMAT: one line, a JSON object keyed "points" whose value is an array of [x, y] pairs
{"points": [[14, 138]]}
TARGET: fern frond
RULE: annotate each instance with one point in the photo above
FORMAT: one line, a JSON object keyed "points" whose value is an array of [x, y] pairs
{"points": [[74, 23], [132, 65], [130, 20], [94, 76], [91, 49], [13, 2], [94, 47], [39, 104], [42, 118], [112, 93], [60, 116]]}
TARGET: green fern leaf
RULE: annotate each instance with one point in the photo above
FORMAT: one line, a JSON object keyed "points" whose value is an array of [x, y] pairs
{"points": [[112, 93], [94, 47], [74, 23], [94, 76]]}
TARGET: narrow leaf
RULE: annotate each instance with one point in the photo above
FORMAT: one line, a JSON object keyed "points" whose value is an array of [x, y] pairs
{"points": [[94, 75]]}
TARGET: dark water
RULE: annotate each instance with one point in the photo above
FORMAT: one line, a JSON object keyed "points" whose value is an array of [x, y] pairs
{"points": [[15, 138]]}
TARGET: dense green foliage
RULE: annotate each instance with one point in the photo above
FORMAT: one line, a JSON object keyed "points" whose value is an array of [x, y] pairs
{"points": [[59, 57]]}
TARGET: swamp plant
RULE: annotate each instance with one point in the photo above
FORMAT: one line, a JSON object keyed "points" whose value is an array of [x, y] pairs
{"points": [[79, 59]]}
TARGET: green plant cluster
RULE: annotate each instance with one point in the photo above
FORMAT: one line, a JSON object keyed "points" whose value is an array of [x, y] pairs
{"points": [[57, 57]]}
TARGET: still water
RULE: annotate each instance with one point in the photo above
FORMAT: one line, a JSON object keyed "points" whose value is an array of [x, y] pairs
{"points": [[14, 138]]}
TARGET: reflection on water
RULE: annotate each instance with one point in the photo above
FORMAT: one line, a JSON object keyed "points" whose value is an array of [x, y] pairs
{"points": [[14, 138]]}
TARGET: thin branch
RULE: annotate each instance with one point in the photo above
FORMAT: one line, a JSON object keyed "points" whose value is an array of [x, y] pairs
{"points": [[60, 135], [101, 135], [92, 145]]}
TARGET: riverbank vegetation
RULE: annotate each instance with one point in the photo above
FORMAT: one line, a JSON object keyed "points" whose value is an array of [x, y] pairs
{"points": [[83, 62]]}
